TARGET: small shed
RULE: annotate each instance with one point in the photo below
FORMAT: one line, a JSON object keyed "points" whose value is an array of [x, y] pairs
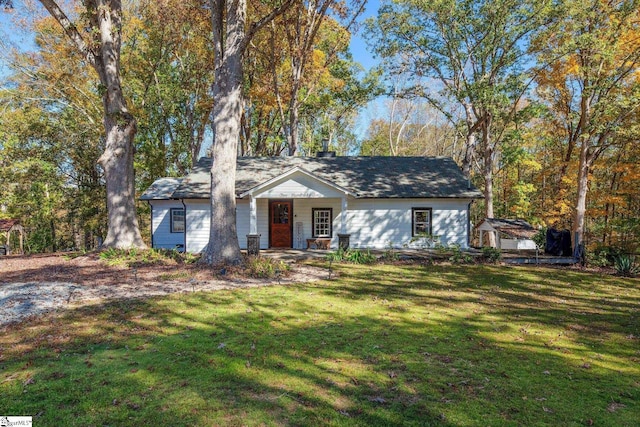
{"points": [[8, 226], [510, 233]]}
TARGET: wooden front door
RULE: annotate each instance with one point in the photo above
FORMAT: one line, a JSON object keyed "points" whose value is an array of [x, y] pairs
{"points": [[280, 223]]}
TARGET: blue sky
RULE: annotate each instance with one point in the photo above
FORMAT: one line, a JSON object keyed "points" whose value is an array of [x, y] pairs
{"points": [[358, 43], [366, 59], [12, 35]]}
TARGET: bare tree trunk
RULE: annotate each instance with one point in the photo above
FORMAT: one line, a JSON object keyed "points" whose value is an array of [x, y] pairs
{"points": [[294, 123], [117, 162], [488, 177], [581, 200], [470, 141], [103, 53], [120, 129], [230, 39], [469, 147], [223, 247]]}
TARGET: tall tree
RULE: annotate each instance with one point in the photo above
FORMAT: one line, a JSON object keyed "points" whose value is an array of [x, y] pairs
{"points": [[302, 26], [463, 53], [230, 40], [99, 45], [413, 128], [299, 74]]}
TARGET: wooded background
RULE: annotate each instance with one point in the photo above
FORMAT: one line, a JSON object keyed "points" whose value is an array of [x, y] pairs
{"points": [[537, 101]]}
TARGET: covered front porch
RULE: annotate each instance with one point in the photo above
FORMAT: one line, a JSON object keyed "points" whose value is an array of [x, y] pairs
{"points": [[296, 210]]}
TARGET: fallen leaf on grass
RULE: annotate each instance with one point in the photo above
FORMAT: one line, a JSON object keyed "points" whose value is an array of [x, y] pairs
{"points": [[614, 406], [377, 399], [10, 378], [133, 406]]}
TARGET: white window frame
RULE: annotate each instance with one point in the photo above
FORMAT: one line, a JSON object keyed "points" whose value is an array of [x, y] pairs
{"points": [[315, 224], [428, 224], [173, 221]]}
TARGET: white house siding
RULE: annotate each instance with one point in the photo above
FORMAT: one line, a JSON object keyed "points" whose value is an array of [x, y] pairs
{"points": [[161, 224], [378, 223], [372, 223], [198, 221]]}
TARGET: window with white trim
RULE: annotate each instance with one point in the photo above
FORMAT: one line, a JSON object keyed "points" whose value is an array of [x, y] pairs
{"points": [[421, 221], [322, 221], [177, 220]]}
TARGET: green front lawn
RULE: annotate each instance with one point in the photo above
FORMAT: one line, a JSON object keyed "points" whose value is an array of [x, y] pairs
{"points": [[379, 345]]}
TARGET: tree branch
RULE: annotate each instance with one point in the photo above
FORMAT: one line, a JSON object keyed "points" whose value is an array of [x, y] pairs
{"points": [[256, 26], [70, 30]]}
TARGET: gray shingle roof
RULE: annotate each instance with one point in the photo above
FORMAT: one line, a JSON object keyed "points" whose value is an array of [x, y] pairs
{"points": [[366, 177], [161, 189]]}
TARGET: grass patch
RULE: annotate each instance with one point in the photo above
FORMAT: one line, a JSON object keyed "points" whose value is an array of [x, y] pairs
{"points": [[264, 267], [355, 256], [138, 257], [381, 345]]}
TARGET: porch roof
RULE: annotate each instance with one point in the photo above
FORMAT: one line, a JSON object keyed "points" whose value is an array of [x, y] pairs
{"points": [[362, 177]]}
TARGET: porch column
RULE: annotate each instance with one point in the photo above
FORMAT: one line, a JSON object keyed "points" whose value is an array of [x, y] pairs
{"points": [[253, 216], [253, 238]]}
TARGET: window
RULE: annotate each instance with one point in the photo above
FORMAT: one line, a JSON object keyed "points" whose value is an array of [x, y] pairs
{"points": [[177, 220], [322, 222], [420, 221], [280, 213]]}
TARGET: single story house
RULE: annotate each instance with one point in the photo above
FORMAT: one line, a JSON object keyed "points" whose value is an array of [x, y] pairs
{"points": [[511, 234], [298, 202]]}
